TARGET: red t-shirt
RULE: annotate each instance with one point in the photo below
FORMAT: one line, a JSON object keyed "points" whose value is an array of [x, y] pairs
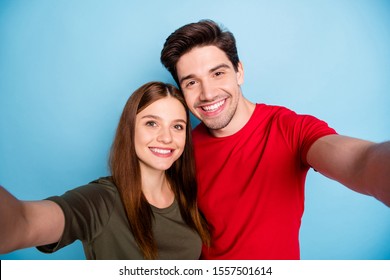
{"points": [[251, 184]]}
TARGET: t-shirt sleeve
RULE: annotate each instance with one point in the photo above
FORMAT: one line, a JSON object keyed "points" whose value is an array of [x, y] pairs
{"points": [[312, 129], [86, 209], [302, 131]]}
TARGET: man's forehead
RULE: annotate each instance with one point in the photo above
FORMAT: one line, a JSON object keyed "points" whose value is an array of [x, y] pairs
{"points": [[201, 59]]}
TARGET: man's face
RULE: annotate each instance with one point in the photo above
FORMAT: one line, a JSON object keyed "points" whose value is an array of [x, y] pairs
{"points": [[210, 85]]}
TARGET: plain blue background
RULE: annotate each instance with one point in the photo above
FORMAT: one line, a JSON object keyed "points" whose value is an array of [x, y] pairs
{"points": [[68, 67]]}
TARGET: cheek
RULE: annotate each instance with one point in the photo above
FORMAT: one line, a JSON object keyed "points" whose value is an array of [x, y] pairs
{"points": [[190, 97], [138, 144], [228, 83], [181, 141], [141, 139]]}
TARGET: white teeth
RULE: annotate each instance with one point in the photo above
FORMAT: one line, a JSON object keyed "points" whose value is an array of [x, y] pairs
{"points": [[160, 151], [213, 107]]}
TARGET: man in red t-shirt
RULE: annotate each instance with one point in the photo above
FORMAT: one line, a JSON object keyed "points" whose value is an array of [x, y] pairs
{"points": [[252, 159]]}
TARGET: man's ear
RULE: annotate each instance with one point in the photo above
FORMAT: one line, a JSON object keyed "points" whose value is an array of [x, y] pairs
{"points": [[240, 73]]}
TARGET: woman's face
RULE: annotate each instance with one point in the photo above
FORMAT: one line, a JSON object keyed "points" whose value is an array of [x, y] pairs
{"points": [[160, 134]]}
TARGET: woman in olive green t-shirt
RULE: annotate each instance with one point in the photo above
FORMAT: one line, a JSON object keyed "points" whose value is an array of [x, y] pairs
{"points": [[146, 209]]}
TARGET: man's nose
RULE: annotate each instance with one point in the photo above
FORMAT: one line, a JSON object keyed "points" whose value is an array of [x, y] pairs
{"points": [[206, 91]]}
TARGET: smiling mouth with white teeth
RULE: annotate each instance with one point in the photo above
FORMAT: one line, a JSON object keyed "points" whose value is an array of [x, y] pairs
{"points": [[161, 151], [213, 107]]}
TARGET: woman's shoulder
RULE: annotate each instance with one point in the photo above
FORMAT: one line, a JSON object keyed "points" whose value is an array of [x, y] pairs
{"points": [[97, 190], [106, 182]]}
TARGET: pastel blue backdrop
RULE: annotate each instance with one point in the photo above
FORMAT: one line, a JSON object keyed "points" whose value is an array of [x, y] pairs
{"points": [[68, 67]]}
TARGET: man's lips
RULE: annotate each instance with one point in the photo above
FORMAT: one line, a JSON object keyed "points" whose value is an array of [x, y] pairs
{"points": [[213, 107], [211, 110]]}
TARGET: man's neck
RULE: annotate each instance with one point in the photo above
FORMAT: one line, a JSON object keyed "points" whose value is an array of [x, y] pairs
{"points": [[242, 115]]}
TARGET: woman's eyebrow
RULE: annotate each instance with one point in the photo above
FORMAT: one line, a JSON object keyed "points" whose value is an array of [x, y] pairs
{"points": [[155, 117]]}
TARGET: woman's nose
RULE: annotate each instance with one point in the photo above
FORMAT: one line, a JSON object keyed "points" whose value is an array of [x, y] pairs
{"points": [[164, 135]]}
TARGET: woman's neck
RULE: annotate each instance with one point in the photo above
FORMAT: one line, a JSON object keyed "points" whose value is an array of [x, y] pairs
{"points": [[157, 190]]}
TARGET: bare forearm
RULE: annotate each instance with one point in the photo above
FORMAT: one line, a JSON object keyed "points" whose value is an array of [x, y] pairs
{"points": [[11, 215], [361, 165], [28, 223], [376, 172]]}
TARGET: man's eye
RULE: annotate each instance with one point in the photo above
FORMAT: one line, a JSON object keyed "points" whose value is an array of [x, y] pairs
{"points": [[218, 73], [190, 83]]}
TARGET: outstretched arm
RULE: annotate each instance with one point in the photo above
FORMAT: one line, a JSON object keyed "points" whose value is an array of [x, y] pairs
{"points": [[361, 165], [28, 223]]}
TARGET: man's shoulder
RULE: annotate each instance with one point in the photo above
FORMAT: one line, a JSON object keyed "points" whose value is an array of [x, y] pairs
{"points": [[264, 109], [200, 130]]}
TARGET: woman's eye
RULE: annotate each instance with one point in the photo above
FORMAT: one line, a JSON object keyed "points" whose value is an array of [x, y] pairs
{"points": [[179, 127], [151, 123]]}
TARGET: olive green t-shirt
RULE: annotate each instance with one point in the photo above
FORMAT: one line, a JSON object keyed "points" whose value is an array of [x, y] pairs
{"points": [[94, 214]]}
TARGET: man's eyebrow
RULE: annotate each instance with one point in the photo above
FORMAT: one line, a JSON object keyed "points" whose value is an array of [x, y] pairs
{"points": [[222, 65], [190, 76], [219, 66]]}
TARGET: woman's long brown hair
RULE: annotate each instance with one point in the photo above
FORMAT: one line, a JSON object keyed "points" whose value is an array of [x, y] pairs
{"points": [[126, 172]]}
